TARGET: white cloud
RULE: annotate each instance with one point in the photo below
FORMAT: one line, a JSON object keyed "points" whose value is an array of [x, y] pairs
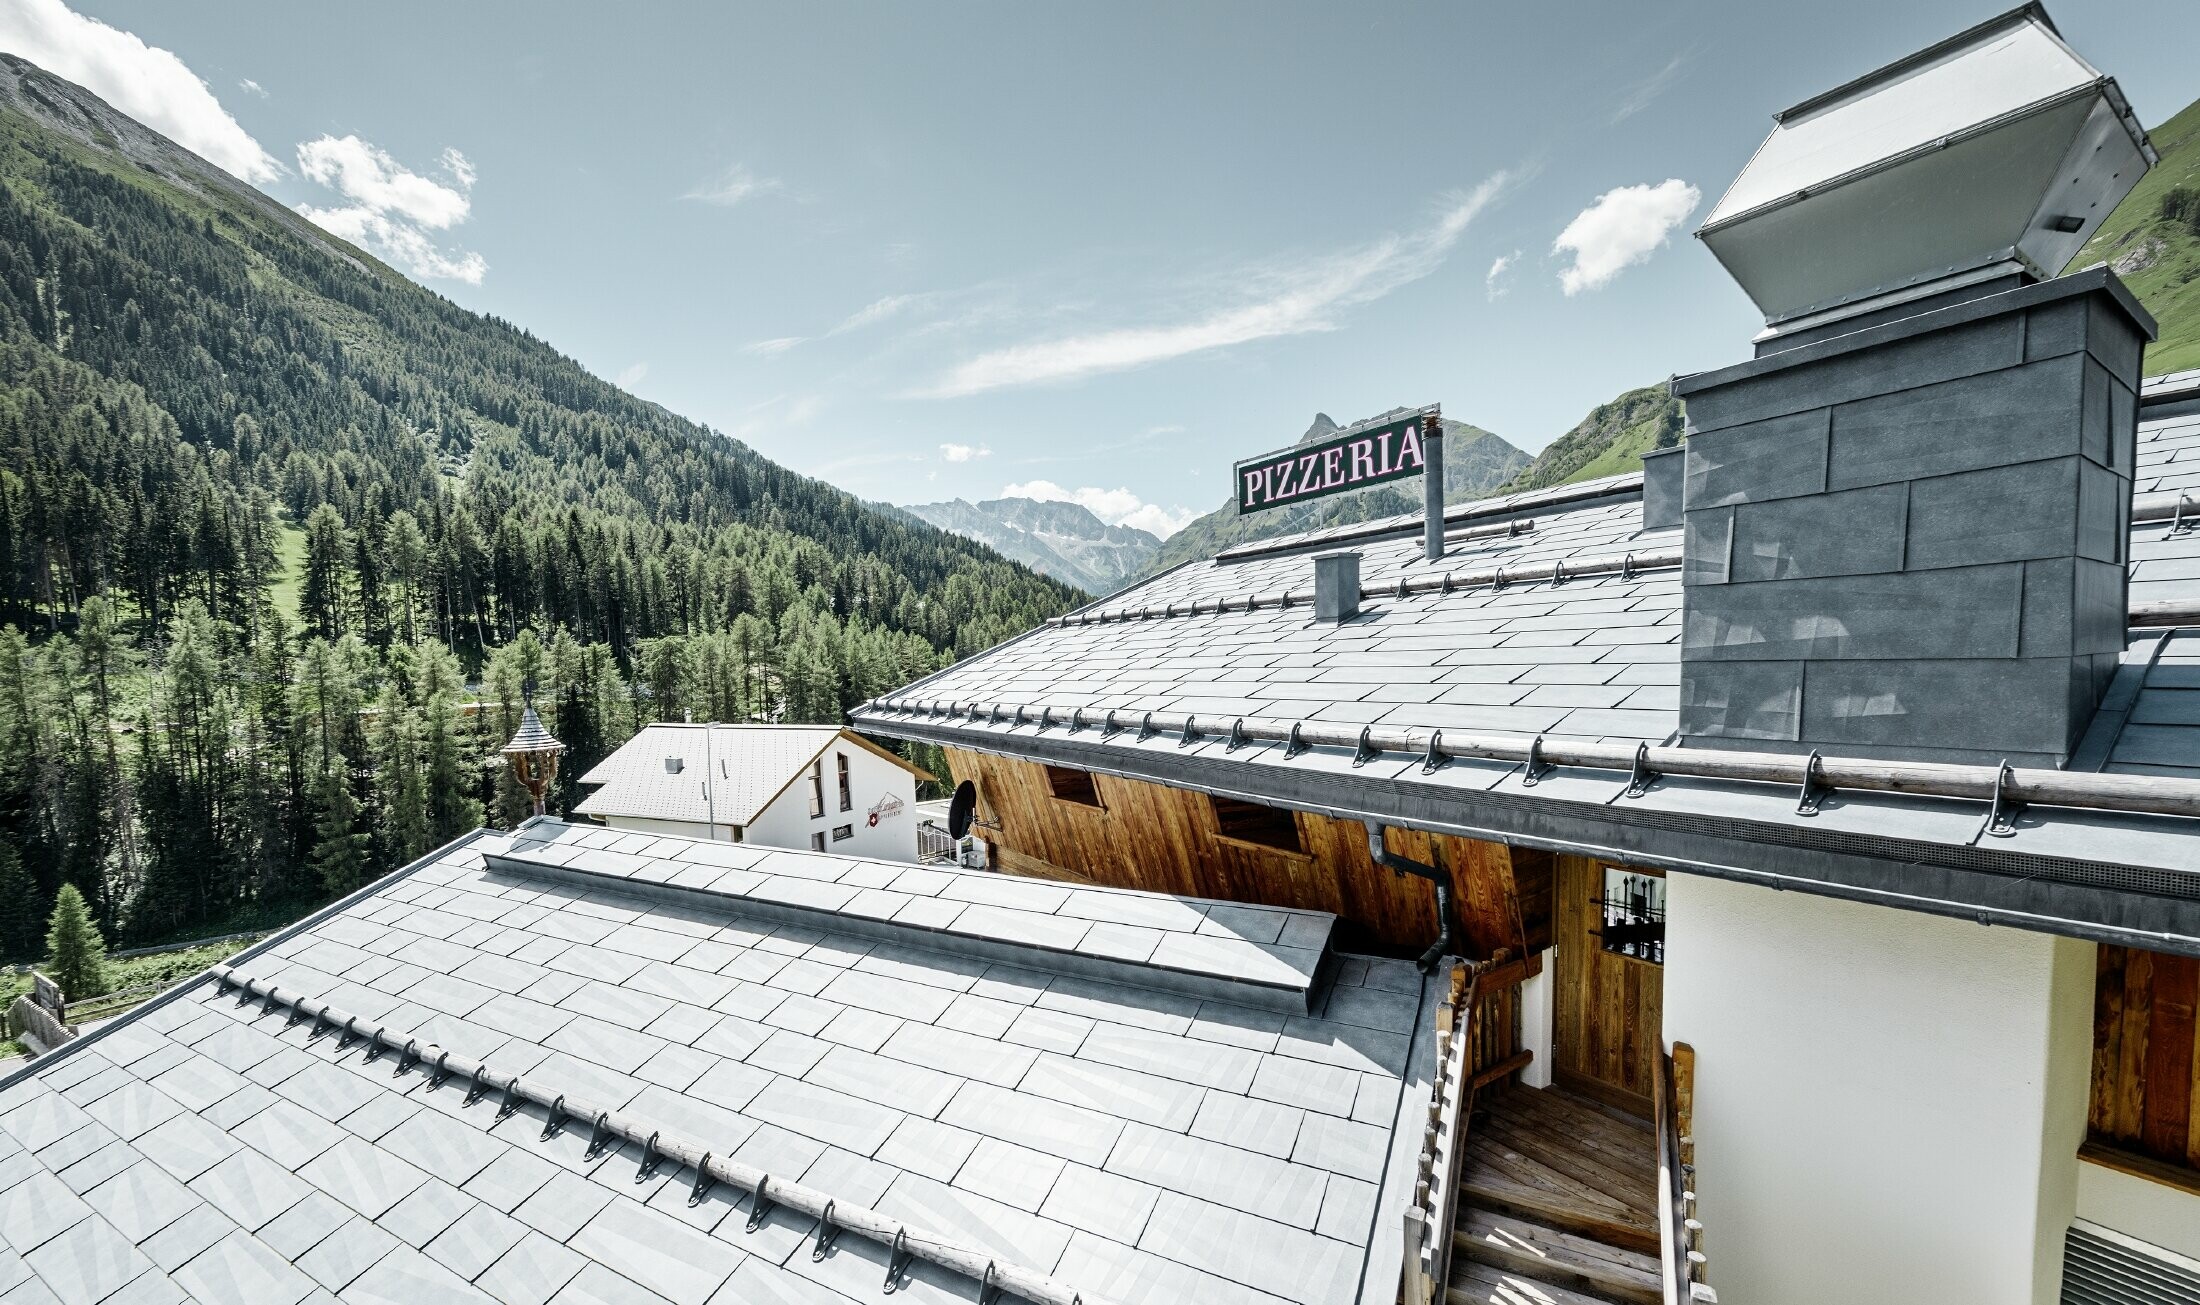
{"points": [[1117, 507], [150, 84], [733, 186], [770, 348], [1643, 93], [877, 311], [366, 175], [964, 452], [1303, 297], [629, 377], [252, 87], [391, 209], [1620, 230], [1495, 283]]}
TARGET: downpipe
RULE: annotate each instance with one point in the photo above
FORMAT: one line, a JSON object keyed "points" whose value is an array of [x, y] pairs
{"points": [[1435, 874]]}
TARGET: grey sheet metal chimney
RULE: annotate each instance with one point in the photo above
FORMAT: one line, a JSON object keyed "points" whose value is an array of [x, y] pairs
{"points": [[1908, 540], [1336, 587], [1664, 477]]}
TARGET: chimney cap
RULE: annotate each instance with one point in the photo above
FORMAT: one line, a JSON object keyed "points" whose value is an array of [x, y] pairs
{"points": [[2000, 147]]}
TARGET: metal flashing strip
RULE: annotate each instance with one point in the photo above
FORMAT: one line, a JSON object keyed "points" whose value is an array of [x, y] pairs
{"points": [[661, 1144], [1625, 565], [1228, 977]]}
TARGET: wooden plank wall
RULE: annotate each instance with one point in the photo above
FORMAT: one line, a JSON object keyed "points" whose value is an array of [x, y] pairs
{"points": [[1166, 840], [1609, 1015], [2146, 1058]]}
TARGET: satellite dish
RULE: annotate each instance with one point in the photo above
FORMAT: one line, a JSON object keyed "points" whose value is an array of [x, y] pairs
{"points": [[962, 811]]}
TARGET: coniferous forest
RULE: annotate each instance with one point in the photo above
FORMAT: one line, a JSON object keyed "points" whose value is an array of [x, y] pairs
{"points": [[282, 536]]}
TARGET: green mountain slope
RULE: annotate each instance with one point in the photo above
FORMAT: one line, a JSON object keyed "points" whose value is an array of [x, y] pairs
{"points": [[266, 507], [1476, 462], [2152, 241], [1610, 440]]}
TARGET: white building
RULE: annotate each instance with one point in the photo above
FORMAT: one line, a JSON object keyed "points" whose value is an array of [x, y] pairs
{"points": [[817, 787]]}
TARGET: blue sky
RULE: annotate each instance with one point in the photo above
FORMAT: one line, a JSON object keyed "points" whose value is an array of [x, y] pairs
{"points": [[927, 251]]}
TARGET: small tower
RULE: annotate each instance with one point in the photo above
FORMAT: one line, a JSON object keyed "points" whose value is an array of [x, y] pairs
{"points": [[533, 752]]}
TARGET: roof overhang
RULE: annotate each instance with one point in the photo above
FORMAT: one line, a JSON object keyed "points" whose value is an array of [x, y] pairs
{"points": [[2110, 877]]}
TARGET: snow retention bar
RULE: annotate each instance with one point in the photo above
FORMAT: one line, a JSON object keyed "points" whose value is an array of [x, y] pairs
{"points": [[2005, 786], [767, 1191]]}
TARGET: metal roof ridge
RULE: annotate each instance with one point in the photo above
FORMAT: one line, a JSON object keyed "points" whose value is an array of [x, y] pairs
{"points": [[1626, 565], [658, 1144]]}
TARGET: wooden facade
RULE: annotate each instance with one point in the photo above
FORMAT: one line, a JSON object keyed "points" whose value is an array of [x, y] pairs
{"points": [[1172, 840], [2146, 1059], [1608, 1022]]}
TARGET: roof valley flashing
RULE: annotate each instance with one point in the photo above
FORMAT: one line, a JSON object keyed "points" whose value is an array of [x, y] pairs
{"points": [[1910, 541]]}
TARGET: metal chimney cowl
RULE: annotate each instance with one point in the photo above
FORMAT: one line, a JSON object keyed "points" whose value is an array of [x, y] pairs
{"points": [[1992, 156]]}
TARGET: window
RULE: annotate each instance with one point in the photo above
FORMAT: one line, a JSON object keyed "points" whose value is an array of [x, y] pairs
{"points": [[847, 796], [1250, 822], [1633, 907], [1073, 786], [817, 788], [842, 833], [817, 841]]}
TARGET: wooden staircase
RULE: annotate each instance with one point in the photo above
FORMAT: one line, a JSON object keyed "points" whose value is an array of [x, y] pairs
{"points": [[1557, 1205]]}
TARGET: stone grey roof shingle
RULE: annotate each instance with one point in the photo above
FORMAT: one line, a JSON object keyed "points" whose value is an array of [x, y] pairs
{"points": [[1142, 1133]]}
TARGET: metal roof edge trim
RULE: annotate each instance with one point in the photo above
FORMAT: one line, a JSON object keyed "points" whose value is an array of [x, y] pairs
{"points": [[1150, 975], [287, 932], [2089, 280], [1603, 829], [1384, 1263], [2032, 9]]}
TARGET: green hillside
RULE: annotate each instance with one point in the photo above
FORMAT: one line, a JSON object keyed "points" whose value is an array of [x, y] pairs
{"points": [[1608, 441], [2152, 241], [267, 508]]}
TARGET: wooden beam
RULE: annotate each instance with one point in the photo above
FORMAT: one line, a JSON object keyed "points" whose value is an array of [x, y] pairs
{"points": [[1509, 1065]]}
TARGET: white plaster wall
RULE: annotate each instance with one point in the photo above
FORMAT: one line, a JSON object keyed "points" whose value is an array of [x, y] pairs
{"points": [[1888, 1104], [678, 828], [1536, 1013], [787, 822], [2154, 1213]]}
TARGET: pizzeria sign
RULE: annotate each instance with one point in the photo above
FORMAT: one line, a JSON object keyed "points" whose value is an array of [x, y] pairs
{"points": [[1354, 458]]}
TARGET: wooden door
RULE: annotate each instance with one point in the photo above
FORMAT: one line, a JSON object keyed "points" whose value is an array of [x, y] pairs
{"points": [[1607, 1022]]}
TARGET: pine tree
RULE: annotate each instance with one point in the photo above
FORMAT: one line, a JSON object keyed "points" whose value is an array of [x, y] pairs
{"points": [[76, 956], [321, 592], [340, 857], [18, 907]]}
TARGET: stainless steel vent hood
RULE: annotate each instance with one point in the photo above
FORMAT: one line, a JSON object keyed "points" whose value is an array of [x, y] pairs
{"points": [[1996, 153]]}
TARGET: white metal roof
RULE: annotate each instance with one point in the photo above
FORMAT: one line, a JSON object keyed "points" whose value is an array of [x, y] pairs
{"points": [[746, 765]]}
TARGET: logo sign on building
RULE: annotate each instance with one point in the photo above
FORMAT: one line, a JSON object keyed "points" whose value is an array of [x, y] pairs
{"points": [[887, 808], [1355, 458]]}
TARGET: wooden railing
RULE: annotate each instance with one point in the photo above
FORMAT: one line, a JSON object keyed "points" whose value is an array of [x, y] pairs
{"points": [[1680, 1233], [1473, 1049]]}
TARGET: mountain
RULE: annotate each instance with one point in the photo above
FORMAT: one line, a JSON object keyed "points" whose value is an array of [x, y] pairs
{"points": [[1610, 440], [1063, 540], [1476, 462], [267, 508], [2152, 240]]}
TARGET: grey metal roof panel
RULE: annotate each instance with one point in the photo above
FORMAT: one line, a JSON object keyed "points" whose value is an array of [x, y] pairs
{"points": [[991, 1109]]}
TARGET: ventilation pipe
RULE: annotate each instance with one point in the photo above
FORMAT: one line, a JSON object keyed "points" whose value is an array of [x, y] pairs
{"points": [[1436, 875], [1432, 483], [1336, 587]]}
